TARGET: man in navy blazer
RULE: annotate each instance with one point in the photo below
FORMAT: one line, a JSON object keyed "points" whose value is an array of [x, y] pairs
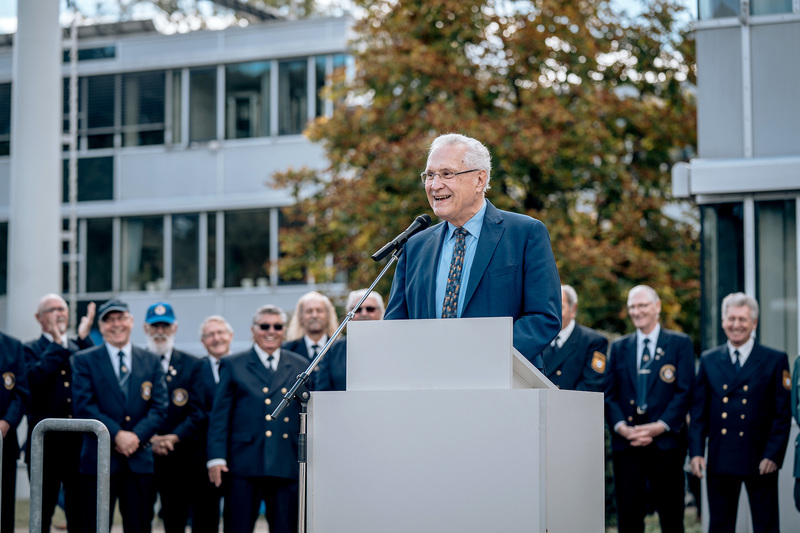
{"points": [[313, 322], [123, 387], [742, 405], [50, 380], [507, 268], [178, 468], [13, 397], [576, 359], [648, 390], [259, 452]]}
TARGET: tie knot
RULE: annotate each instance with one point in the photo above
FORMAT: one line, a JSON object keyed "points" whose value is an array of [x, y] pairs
{"points": [[736, 353], [121, 354], [460, 232], [646, 341]]}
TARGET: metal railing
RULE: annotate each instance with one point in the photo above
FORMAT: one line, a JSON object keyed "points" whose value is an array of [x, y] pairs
{"points": [[37, 463]]}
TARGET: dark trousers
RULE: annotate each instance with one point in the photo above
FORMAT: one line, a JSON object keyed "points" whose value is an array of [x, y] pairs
{"points": [[245, 496], [135, 495], [723, 501], [9, 486], [205, 507], [649, 475], [176, 483], [62, 455]]}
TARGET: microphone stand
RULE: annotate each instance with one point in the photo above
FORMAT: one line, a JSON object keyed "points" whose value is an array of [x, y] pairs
{"points": [[300, 392]]}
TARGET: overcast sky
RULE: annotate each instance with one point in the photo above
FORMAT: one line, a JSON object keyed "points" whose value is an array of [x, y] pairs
{"points": [[8, 10]]}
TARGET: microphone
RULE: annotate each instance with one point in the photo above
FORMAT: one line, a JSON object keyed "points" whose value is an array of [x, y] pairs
{"points": [[419, 224]]}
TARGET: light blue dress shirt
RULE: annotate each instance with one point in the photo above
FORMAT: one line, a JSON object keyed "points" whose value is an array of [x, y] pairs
{"points": [[473, 227]]}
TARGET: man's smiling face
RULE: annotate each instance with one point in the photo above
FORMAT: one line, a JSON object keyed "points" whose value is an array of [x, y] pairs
{"points": [[458, 199]]}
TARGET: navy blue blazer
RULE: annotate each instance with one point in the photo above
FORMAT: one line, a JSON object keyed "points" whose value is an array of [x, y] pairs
{"points": [[50, 380], [333, 368], [298, 346], [14, 393], [580, 364], [746, 415], [669, 387], [513, 274], [96, 395], [241, 430], [185, 390]]}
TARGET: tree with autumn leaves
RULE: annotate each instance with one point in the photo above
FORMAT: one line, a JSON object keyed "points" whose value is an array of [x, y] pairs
{"points": [[584, 112]]}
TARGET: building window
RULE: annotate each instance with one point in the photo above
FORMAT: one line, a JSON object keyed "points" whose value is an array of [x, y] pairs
{"points": [[320, 66], [143, 96], [769, 7], [291, 265], [91, 54], [5, 119], [776, 273], [99, 254], [723, 264], [203, 104], [142, 258], [714, 9], [292, 96], [247, 100], [185, 251], [247, 248], [176, 107], [95, 179], [99, 125], [211, 251]]}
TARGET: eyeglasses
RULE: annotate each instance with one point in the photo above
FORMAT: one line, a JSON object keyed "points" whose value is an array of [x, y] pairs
{"points": [[444, 174], [266, 327], [366, 308]]}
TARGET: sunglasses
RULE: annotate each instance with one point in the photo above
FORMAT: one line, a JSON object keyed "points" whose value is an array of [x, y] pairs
{"points": [[367, 308], [266, 327]]}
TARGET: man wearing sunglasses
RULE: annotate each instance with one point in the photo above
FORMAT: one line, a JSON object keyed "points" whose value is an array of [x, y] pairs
{"points": [[259, 452], [480, 262], [333, 367]]}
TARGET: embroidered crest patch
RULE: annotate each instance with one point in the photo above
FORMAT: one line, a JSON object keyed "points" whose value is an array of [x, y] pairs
{"points": [[787, 380], [180, 397], [599, 362], [9, 380], [147, 391], [667, 373]]}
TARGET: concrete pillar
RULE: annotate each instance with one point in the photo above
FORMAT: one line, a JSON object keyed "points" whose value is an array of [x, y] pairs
{"points": [[34, 229]]}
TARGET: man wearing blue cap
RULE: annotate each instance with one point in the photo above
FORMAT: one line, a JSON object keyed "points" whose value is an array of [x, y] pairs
{"points": [[123, 387], [179, 467]]}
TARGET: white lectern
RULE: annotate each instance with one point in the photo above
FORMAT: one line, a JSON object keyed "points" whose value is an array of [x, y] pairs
{"points": [[444, 427]]}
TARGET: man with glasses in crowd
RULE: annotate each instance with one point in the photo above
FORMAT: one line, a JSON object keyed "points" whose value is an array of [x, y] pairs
{"points": [[481, 262], [650, 376], [333, 367], [259, 452]]}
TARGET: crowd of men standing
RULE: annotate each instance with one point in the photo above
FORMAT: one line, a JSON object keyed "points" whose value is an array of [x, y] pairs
{"points": [[187, 432]]}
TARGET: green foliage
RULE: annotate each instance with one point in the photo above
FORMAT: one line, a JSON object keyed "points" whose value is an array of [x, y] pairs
{"points": [[584, 113]]}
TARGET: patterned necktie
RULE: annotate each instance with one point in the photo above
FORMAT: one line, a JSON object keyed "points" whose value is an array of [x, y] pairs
{"points": [[123, 373], [641, 385], [450, 305], [737, 365]]}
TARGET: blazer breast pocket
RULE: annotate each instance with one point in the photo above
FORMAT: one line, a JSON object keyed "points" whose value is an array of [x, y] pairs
{"points": [[502, 271]]}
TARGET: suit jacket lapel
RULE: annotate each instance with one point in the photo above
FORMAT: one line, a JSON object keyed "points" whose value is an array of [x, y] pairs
{"points": [[430, 252], [749, 367], [662, 345], [723, 361], [138, 373], [107, 371], [176, 362], [491, 232], [629, 352], [257, 367], [563, 353]]}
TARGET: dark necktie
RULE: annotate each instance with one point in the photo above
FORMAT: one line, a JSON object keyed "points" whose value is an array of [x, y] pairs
{"points": [[269, 363], [737, 365], [315, 347], [641, 385], [216, 365], [450, 305], [124, 373]]}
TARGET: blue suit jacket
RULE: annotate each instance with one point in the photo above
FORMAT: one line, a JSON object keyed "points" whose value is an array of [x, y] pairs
{"points": [[580, 364], [14, 393], [669, 387], [96, 394], [796, 413], [240, 430], [513, 274], [745, 415]]}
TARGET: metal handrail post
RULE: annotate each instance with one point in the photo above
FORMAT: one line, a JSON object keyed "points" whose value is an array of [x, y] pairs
{"points": [[37, 465]]}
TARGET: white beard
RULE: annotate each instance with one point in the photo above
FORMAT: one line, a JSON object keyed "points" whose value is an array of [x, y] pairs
{"points": [[161, 348]]}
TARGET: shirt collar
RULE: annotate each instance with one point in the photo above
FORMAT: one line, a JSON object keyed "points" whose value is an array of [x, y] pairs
{"points": [[310, 344], [564, 334], [49, 337], [744, 349], [113, 350], [653, 336], [473, 225], [276, 356]]}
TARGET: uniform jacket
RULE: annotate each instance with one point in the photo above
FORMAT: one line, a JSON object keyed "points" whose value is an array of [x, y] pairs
{"points": [[14, 393], [185, 393], [97, 395], [513, 274], [669, 387], [796, 413], [746, 415], [298, 346], [333, 368], [240, 428], [50, 380], [580, 364]]}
